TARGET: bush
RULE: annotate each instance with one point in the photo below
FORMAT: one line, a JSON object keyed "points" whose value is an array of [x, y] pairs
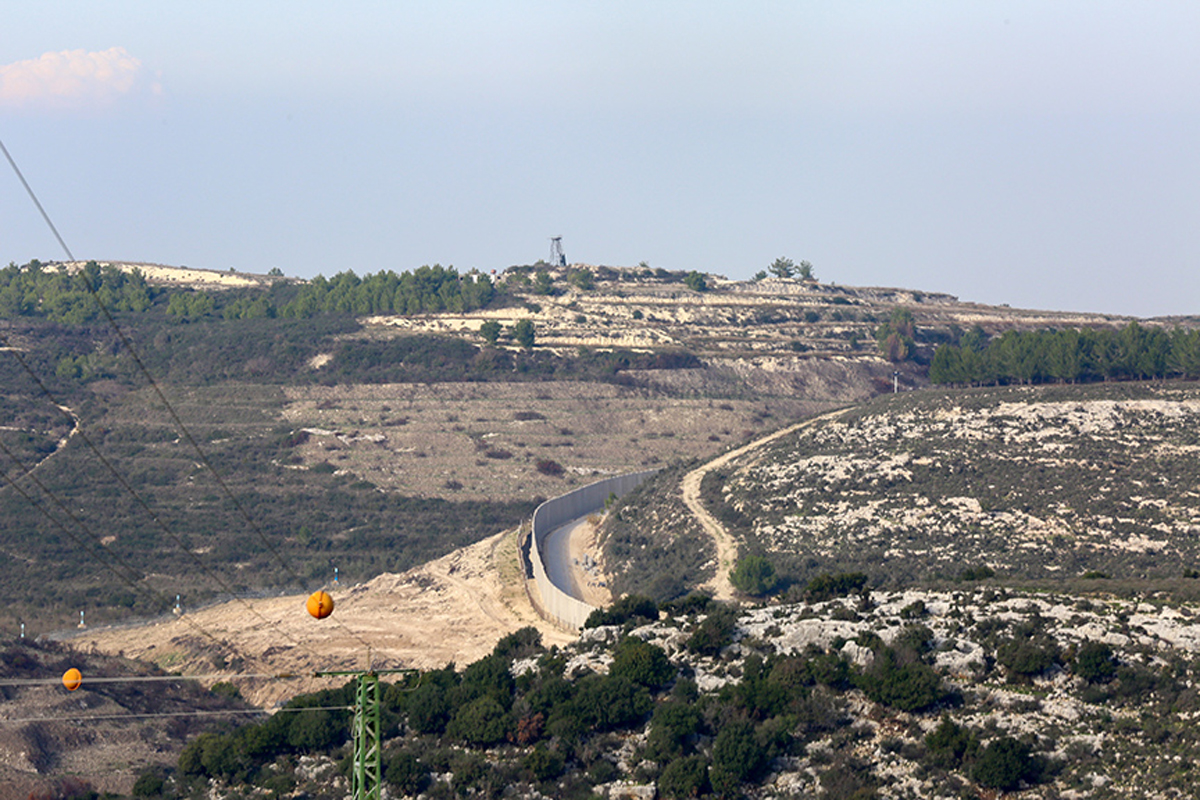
{"points": [[610, 702], [149, 784], [550, 467], [543, 763], [521, 643], [737, 756], [754, 575], [483, 721], [1095, 663], [643, 663], [948, 744], [631, 606], [684, 777], [980, 573], [1027, 658], [671, 728], [428, 709], [714, 633], [828, 586], [1004, 763], [406, 773], [908, 687]]}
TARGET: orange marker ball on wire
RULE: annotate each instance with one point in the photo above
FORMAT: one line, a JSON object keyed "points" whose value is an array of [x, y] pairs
{"points": [[72, 679], [320, 604]]}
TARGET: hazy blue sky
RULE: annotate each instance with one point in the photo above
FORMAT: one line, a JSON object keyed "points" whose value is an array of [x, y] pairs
{"points": [[1039, 154]]}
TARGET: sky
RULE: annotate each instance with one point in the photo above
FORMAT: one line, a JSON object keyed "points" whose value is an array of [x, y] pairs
{"points": [[1042, 155]]}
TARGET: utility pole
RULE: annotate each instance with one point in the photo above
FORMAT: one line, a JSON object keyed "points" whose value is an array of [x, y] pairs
{"points": [[366, 776]]}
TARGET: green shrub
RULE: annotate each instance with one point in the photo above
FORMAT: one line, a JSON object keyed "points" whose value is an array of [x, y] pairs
{"points": [[737, 757], [543, 763], [828, 586], [684, 777], [428, 709], [1094, 662], [643, 663], [754, 575], [714, 633], [1027, 658], [403, 771], [948, 744], [610, 702], [483, 721], [912, 686], [1004, 763], [149, 784], [521, 643], [672, 728], [629, 607]]}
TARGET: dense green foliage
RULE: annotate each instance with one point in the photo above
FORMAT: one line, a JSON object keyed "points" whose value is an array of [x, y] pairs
{"points": [[754, 575], [1134, 352], [896, 337], [62, 296], [424, 290], [625, 609]]}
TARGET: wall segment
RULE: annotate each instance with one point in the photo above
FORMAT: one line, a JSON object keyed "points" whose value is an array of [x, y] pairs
{"points": [[557, 606]]}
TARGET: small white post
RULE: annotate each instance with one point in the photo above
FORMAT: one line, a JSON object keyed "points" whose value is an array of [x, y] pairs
{"points": [[81, 619]]}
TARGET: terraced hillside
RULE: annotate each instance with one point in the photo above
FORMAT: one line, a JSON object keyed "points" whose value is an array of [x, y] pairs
{"points": [[1034, 483]]}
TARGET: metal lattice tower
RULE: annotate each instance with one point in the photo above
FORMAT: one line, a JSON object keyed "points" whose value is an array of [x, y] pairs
{"points": [[366, 775], [557, 257]]}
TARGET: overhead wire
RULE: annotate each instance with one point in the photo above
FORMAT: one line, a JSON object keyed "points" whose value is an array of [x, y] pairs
{"points": [[184, 432], [107, 554], [188, 552], [151, 715]]}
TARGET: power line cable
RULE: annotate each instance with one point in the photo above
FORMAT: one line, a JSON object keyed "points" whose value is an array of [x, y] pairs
{"points": [[94, 290], [128, 581], [109, 717], [213, 676], [136, 496]]}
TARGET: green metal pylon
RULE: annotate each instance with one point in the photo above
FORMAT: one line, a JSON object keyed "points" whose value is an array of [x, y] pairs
{"points": [[367, 776]]}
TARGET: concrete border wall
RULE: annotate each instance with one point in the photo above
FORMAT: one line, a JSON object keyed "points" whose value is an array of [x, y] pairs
{"points": [[557, 605]]}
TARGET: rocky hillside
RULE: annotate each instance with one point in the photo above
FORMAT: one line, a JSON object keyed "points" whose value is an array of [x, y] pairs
{"points": [[963, 693], [1044, 484]]}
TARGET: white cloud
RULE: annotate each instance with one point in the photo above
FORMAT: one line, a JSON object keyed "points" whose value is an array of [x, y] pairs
{"points": [[70, 78]]}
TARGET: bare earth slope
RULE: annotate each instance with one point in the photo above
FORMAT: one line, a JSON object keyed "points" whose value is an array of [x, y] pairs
{"points": [[453, 609]]}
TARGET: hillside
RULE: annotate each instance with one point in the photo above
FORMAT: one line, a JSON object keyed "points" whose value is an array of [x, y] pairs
{"points": [[1057, 484], [341, 434], [964, 693]]}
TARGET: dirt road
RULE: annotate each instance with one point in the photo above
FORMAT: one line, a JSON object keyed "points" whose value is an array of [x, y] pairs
{"points": [[727, 546]]}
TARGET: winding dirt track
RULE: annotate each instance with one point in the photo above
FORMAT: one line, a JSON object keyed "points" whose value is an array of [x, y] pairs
{"points": [[727, 546]]}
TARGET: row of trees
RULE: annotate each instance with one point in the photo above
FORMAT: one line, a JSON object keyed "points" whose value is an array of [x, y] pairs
{"points": [[1134, 352], [60, 295], [423, 290]]}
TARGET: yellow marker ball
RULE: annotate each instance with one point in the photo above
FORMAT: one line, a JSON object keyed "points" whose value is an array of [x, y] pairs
{"points": [[72, 678], [320, 604]]}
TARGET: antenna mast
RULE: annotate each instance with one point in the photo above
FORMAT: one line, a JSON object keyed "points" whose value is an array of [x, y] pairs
{"points": [[557, 257]]}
